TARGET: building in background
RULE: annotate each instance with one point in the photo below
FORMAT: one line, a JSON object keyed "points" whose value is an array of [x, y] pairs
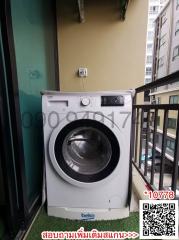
{"points": [[166, 62], [166, 46], [155, 6]]}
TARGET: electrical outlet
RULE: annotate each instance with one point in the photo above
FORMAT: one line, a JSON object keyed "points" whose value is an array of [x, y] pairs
{"points": [[82, 72]]}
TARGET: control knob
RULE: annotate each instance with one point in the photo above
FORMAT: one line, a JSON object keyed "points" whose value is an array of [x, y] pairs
{"points": [[85, 101]]}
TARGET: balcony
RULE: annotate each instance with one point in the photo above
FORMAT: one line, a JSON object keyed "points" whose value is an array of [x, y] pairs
{"points": [[156, 149], [39, 42], [155, 166]]}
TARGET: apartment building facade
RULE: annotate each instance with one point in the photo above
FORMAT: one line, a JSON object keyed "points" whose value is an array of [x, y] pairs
{"points": [[154, 7], [166, 43], [166, 62]]}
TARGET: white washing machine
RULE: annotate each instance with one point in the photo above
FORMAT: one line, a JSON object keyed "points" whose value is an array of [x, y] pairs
{"points": [[87, 154]]}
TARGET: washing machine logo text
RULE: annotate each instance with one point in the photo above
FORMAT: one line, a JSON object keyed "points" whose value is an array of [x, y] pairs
{"points": [[87, 216]]}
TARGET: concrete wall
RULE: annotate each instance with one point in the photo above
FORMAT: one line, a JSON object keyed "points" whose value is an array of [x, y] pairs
{"points": [[113, 51]]}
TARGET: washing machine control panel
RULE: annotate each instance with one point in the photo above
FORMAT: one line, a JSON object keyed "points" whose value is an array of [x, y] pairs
{"points": [[112, 100]]}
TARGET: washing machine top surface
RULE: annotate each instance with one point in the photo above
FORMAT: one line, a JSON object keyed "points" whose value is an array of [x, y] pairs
{"points": [[113, 92]]}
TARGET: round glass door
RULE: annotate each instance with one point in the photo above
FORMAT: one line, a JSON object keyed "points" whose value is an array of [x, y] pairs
{"points": [[87, 150]]}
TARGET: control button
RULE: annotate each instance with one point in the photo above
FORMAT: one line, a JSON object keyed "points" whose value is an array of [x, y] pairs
{"points": [[85, 101]]}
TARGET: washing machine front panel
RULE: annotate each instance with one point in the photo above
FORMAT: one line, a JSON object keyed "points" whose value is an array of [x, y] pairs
{"points": [[63, 191], [86, 151]]}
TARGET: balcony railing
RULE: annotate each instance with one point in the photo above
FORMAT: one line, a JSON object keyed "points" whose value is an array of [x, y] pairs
{"points": [[151, 155]]}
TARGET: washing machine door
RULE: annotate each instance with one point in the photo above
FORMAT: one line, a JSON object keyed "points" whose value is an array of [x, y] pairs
{"points": [[84, 150]]}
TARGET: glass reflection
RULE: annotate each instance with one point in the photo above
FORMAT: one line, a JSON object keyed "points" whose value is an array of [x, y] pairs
{"points": [[87, 150]]}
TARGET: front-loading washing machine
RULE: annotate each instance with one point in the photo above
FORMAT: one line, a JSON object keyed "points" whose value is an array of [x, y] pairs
{"points": [[87, 154]]}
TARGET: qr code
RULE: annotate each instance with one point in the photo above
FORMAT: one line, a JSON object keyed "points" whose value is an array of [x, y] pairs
{"points": [[159, 219]]}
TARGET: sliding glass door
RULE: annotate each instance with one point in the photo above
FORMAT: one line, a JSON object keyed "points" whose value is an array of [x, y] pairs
{"points": [[28, 65], [33, 32], [10, 204]]}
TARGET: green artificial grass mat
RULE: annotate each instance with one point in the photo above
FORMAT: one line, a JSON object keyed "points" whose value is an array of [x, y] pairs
{"points": [[46, 223]]}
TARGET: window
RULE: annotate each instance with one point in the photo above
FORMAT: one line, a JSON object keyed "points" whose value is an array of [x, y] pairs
{"points": [[146, 96], [163, 19], [160, 62], [154, 1], [151, 20], [148, 71], [162, 40], [177, 28], [149, 47], [152, 116], [150, 35], [172, 123], [158, 100], [154, 9], [151, 23], [174, 99], [149, 59], [175, 53], [158, 120], [157, 138], [171, 144], [148, 79], [177, 4]]}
